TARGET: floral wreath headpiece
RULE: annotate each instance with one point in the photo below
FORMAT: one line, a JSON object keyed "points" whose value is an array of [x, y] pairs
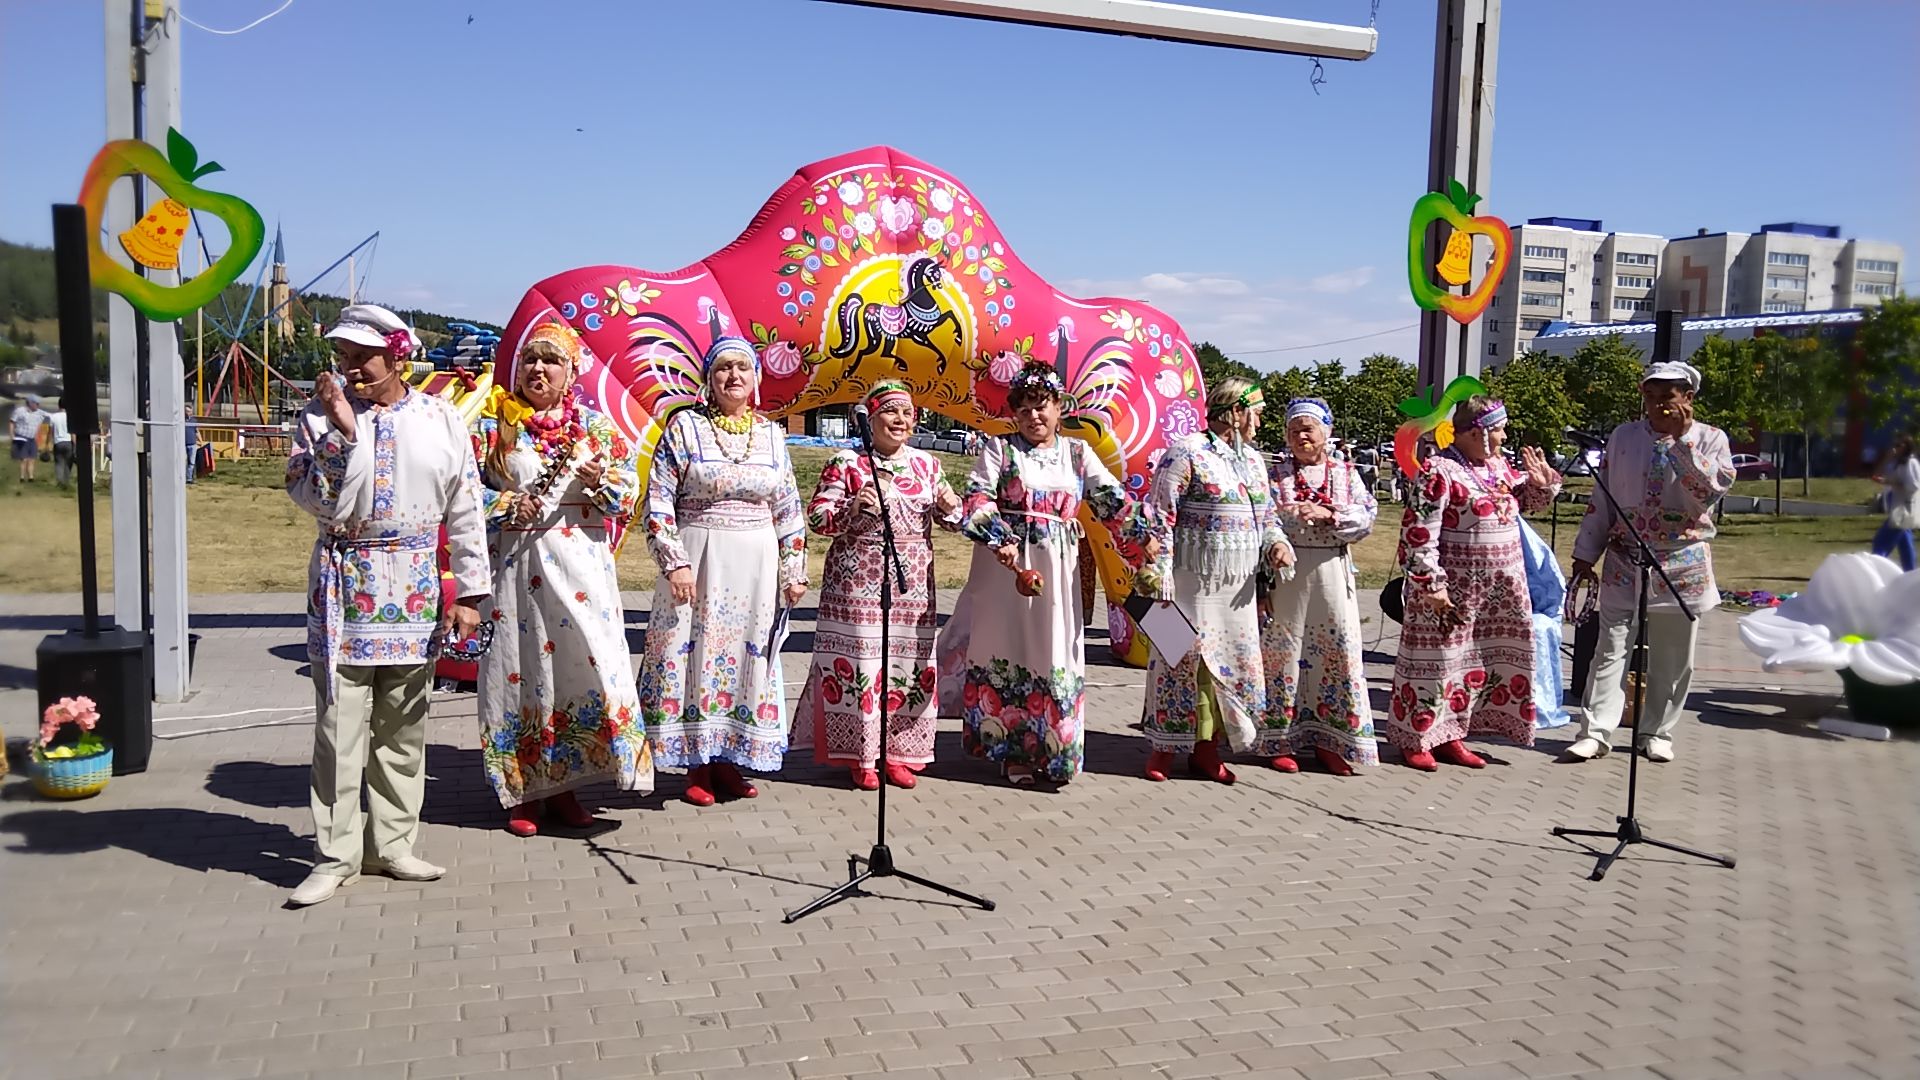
{"points": [[1036, 377]]}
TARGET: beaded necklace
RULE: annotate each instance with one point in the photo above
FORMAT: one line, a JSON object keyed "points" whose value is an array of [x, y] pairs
{"points": [[721, 427], [1485, 477], [1323, 495]]}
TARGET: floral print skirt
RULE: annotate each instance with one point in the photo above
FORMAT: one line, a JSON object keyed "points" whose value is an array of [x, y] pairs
{"points": [[1475, 678], [557, 702], [710, 679], [1316, 672], [1023, 679], [1229, 648]]}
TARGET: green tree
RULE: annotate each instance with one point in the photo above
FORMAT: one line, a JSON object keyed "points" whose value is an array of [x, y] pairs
{"points": [[1369, 408], [1216, 365], [1729, 396], [1280, 387], [1539, 406], [1603, 380], [1887, 349], [1804, 380]]}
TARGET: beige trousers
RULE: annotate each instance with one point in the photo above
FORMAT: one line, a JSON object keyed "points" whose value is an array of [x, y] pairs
{"points": [[376, 725], [1670, 642]]}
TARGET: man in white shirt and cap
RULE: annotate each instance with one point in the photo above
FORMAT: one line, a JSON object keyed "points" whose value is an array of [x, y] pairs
{"points": [[1667, 471], [381, 468]]}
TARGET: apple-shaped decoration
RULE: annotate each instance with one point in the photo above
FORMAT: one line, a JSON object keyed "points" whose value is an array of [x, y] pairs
{"points": [[1435, 418], [1030, 582], [1455, 266], [154, 241]]}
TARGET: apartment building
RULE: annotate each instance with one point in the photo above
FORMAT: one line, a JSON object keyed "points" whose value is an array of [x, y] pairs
{"points": [[1570, 270]]}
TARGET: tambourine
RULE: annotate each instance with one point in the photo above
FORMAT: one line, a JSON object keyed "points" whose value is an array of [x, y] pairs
{"points": [[1583, 601], [471, 649]]}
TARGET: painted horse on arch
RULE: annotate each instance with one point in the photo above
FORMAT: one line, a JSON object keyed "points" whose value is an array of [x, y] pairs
{"points": [[875, 253]]}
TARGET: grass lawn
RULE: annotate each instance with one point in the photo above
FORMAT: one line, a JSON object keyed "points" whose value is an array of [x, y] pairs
{"points": [[245, 535], [1842, 490]]}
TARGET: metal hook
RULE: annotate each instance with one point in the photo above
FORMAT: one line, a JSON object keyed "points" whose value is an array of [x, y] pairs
{"points": [[1317, 77]]}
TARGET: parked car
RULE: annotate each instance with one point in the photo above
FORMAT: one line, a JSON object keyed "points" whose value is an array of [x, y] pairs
{"points": [[1752, 467]]}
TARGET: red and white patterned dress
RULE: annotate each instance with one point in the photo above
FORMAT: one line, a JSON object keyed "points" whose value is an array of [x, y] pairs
{"points": [[840, 709], [1460, 532]]}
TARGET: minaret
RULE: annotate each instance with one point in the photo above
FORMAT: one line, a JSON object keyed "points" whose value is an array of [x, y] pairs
{"points": [[279, 296]]}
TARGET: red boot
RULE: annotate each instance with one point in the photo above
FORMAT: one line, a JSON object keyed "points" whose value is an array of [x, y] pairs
{"points": [[524, 820], [1205, 763], [1456, 753], [1420, 759], [900, 776], [700, 786], [568, 809], [1158, 763], [865, 779], [1332, 762], [730, 783], [1285, 763]]}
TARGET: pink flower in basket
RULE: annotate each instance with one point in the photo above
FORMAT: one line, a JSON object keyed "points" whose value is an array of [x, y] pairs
{"points": [[68, 710]]}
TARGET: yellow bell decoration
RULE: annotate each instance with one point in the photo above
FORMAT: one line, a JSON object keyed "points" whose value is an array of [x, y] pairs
{"points": [[154, 241], [1443, 434], [1456, 265]]}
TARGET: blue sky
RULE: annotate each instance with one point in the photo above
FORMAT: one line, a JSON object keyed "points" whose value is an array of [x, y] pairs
{"points": [[1215, 184]]}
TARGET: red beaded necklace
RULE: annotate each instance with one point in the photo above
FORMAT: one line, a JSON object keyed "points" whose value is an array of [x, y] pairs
{"points": [[1323, 495], [554, 436]]}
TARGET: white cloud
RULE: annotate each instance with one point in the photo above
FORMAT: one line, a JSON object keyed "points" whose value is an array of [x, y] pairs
{"points": [[1253, 320]]}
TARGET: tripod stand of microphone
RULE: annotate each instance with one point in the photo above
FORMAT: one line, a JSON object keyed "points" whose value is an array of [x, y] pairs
{"points": [[879, 861], [1647, 564]]}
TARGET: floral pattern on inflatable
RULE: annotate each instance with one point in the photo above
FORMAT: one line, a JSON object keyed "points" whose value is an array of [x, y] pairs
{"points": [[869, 266]]}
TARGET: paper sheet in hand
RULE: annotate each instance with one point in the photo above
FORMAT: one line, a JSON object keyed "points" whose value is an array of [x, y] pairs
{"points": [[1168, 629]]}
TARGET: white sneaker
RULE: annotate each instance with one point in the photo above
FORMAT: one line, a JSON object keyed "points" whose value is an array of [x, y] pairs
{"points": [[405, 868], [319, 887], [1586, 748], [1657, 749]]}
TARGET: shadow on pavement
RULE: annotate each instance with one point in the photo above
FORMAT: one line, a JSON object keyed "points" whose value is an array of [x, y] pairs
{"points": [[200, 840]]}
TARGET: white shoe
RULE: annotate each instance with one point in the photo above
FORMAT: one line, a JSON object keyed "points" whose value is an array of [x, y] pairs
{"points": [[1657, 749], [1586, 748], [319, 887], [405, 868]]}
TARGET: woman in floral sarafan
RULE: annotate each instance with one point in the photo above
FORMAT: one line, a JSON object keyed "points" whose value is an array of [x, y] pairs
{"points": [[1024, 674], [1316, 675], [1466, 647], [851, 685], [1211, 502], [723, 522], [557, 701]]}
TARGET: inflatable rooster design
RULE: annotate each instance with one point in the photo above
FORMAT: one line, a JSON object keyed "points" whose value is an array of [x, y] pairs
{"points": [[871, 266]]}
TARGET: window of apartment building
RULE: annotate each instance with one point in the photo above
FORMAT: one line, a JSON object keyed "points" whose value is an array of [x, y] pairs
{"points": [[1493, 348], [1877, 266], [1540, 299], [1633, 258], [1632, 281], [1627, 304], [1550, 277], [1533, 325], [1785, 258], [1777, 281], [1493, 326], [1873, 288], [1780, 307], [1535, 251]]}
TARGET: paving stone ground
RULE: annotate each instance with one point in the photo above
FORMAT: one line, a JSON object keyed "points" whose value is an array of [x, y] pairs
{"points": [[1397, 924]]}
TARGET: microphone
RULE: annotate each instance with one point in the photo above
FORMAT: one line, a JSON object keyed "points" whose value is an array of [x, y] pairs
{"points": [[1586, 439], [863, 425]]}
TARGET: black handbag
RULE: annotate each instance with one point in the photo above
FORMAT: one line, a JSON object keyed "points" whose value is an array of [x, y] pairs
{"points": [[1393, 600]]}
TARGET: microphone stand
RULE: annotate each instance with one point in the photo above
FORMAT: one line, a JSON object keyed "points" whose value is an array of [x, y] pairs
{"points": [[879, 861], [1629, 831]]}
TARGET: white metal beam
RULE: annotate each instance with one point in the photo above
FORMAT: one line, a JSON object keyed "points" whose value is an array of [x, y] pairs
{"points": [[1163, 21]]}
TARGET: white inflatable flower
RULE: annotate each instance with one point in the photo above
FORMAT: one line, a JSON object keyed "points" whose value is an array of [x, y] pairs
{"points": [[1859, 612]]}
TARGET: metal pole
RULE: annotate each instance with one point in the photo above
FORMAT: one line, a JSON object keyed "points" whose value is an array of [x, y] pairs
{"points": [[1460, 147]]}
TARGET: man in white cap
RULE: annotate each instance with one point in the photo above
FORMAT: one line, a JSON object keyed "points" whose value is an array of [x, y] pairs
{"points": [[1667, 470], [381, 468]]}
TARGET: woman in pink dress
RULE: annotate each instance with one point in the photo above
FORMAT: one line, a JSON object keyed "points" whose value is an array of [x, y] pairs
{"points": [[1466, 647]]}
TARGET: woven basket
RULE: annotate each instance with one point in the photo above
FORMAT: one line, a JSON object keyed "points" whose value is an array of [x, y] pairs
{"points": [[73, 778]]}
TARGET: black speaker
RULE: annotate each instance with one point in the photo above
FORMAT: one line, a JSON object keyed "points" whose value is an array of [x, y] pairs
{"points": [[1666, 337], [115, 669], [79, 397]]}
